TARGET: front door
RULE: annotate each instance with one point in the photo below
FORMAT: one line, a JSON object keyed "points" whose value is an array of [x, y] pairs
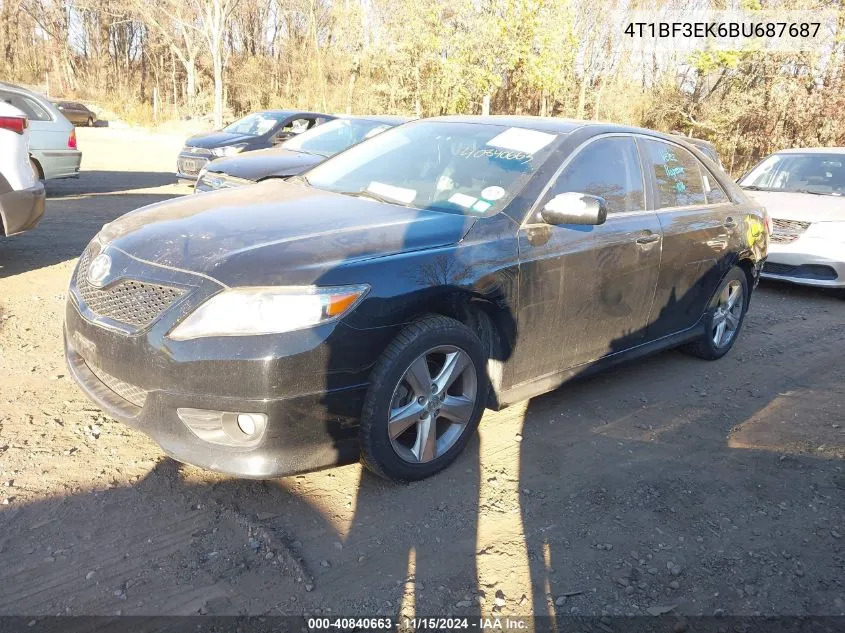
{"points": [[586, 291]]}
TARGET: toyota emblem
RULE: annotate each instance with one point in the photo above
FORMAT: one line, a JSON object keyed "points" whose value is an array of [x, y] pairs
{"points": [[99, 270]]}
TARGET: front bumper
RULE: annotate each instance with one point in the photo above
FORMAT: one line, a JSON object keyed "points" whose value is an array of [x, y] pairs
{"points": [[808, 261], [310, 384], [21, 210]]}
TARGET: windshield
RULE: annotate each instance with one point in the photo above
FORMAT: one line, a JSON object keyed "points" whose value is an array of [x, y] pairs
{"points": [[335, 136], [254, 124], [467, 168], [806, 173]]}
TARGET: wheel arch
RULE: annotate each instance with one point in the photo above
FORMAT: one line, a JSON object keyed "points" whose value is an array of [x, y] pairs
{"points": [[37, 164], [492, 321]]}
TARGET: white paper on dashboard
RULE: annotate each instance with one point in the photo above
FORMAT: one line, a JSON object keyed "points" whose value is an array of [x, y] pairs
{"points": [[405, 196], [522, 140], [463, 200]]}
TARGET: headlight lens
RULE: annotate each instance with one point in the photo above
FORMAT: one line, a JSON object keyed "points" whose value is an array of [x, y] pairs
{"points": [[834, 231], [268, 310], [228, 150]]}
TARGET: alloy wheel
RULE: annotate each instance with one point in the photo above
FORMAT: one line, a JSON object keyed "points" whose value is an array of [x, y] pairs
{"points": [[728, 313], [432, 404]]}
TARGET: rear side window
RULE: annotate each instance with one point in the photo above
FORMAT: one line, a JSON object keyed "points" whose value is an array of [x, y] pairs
{"points": [[31, 108], [677, 174], [714, 192], [609, 168]]}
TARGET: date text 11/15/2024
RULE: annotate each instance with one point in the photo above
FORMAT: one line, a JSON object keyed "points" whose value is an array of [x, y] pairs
{"points": [[419, 624]]}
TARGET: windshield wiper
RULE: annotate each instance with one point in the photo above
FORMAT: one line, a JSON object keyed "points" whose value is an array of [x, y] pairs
{"points": [[816, 193], [754, 188], [372, 195]]}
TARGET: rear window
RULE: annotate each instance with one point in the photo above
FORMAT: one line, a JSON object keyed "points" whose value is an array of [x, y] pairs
{"points": [[31, 108]]}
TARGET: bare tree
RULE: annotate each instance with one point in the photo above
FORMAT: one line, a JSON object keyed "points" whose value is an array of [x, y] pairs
{"points": [[213, 19]]}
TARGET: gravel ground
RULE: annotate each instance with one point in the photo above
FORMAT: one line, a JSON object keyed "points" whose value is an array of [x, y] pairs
{"points": [[672, 483]]}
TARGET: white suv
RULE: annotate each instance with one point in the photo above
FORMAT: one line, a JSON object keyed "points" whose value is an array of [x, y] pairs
{"points": [[21, 193]]}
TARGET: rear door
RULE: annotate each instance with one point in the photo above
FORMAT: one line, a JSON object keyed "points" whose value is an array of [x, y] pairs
{"points": [[699, 223], [587, 291]]}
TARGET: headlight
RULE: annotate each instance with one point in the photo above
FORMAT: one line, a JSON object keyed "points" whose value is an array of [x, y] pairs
{"points": [[268, 310], [228, 150], [833, 231]]}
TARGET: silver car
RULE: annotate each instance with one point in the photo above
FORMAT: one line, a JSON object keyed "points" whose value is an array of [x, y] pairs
{"points": [[52, 146], [804, 192]]}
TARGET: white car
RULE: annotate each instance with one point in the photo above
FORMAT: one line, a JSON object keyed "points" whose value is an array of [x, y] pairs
{"points": [[21, 193], [53, 140], [804, 192]]}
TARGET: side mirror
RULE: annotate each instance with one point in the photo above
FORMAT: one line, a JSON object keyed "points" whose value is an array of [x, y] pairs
{"points": [[281, 137], [574, 208]]}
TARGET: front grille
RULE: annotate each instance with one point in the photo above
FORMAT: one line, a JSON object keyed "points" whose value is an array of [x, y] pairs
{"points": [[778, 269], [787, 231], [190, 166], [135, 303], [130, 393], [818, 272]]}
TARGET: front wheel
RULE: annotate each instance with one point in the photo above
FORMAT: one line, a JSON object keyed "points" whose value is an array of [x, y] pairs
{"points": [[724, 318], [426, 397]]}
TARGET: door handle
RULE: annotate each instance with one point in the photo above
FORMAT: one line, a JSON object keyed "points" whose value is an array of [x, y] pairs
{"points": [[729, 223], [651, 238]]}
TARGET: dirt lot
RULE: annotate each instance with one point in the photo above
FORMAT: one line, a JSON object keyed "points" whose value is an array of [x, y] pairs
{"points": [[710, 487]]}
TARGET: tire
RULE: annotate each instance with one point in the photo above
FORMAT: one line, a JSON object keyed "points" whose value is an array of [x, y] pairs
{"points": [[707, 347], [416, 353], [90, 122]]}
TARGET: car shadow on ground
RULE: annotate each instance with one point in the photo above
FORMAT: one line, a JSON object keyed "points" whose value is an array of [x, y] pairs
{"points": [[76, 210], [99, 182], [681, 504]]}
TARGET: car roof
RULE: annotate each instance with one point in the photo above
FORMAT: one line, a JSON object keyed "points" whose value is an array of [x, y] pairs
{"points": [[812, 150], [380, 118], [554, 125], [286, 113]]}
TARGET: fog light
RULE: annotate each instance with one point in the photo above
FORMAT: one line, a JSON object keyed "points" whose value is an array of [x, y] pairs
{"points": [[246, 423], [225, 427]]}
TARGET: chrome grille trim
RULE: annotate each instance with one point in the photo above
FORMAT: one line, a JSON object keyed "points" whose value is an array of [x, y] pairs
{"points": [[787, 231], [225, 181], [128, 392], [129, 301]]}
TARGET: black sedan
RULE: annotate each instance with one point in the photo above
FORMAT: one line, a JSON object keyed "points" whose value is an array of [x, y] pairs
{"points": [[374, 306], [295, 155], [258, 130]]}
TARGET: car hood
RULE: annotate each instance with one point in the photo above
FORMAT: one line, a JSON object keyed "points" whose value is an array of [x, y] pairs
{"points": [[217, 139], [263, 163], [276, 233], [804, 207]]}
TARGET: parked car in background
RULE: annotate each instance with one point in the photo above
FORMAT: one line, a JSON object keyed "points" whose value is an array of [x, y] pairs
{"points": [[804, 192], [21, 193], [356, 309], [259, 130], [77, 113], [294, 155], [52, 142]]}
